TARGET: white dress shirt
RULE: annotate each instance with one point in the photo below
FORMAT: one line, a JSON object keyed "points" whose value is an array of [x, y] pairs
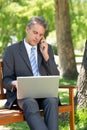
{"points": [[28, 48]]}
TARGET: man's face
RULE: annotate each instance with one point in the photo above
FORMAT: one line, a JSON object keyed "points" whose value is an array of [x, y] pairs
{"points": [[34, 34]]}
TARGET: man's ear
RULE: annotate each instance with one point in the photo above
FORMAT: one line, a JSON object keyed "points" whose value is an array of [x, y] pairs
{"points": [[27, 29]]}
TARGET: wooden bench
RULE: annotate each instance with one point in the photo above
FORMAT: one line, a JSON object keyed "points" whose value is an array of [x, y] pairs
{"points": [[12, 116]]}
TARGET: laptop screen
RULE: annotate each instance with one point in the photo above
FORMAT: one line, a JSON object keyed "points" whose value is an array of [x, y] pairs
{"points": [[37, 87]]}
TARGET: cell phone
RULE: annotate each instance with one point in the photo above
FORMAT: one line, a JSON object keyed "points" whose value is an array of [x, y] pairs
{"points": [[40, 41]]}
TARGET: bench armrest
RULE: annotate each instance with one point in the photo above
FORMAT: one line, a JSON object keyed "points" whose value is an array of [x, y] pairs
{"points": [[67, 87]]}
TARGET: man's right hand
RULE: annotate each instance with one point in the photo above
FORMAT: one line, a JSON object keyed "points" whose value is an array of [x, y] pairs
{"points": [[15, 84]]}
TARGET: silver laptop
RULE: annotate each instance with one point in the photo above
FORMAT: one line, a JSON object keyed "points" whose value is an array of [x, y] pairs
{"points": [[37, 87]]}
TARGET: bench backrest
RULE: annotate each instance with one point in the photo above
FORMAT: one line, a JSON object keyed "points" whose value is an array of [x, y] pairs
{"points": [[2, 95]]}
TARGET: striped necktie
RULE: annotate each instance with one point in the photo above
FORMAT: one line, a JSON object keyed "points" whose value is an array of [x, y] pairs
{"points": [[33, 62]]}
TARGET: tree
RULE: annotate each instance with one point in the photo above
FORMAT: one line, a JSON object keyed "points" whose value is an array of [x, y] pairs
{"points": [[64, 40], [81, 95], [14, 15], [78, 15]]}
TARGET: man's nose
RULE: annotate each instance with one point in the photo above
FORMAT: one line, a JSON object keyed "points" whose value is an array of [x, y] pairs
{"points": [[38, 36]]}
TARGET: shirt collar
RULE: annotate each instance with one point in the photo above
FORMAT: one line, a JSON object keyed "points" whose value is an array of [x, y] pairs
{"points": [[28, 45]]}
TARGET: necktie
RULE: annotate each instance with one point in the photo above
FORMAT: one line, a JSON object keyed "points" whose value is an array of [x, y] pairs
{"points": [[33, 62]]}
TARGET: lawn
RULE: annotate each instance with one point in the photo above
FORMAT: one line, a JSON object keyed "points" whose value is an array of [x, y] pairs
{"points": [[80, 116]]}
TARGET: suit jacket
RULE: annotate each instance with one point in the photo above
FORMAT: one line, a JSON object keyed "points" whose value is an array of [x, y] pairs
{"points": [[16, 63]]}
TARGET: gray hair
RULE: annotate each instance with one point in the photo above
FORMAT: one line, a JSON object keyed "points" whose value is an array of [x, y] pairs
{"points": [[39, 20]]}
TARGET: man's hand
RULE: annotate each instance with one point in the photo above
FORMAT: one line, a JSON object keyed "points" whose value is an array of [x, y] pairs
{"points": [[15, 84], [44, 49]]}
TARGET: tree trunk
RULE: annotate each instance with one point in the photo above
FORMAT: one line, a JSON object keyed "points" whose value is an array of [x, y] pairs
{"points": [[81, 95], [67, 62]]}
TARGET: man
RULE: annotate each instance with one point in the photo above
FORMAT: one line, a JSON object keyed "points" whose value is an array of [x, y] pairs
{"points": [[17, 62]]}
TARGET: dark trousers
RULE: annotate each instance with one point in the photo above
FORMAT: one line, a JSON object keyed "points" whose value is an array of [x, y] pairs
{"points": [[32, 115]]}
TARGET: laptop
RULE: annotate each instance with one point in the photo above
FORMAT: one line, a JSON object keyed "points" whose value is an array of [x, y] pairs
{"points": [[37, 87]]}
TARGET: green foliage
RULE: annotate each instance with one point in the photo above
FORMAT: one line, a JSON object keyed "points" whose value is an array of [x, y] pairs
{"points": [[14, 15], [78, 15], [64, 98], [54, 49], [64, 81], [64, 125], [81, 119], [18, 126], [64, 94]]}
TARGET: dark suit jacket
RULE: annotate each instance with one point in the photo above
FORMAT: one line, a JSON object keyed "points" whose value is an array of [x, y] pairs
{"points": [[16, 63]]}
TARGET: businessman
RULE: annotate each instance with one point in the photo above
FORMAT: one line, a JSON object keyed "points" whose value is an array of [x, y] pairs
{"points": [[17, 61]]}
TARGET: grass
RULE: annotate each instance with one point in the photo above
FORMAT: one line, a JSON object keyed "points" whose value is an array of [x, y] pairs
{"points": [[80, 115], [63, 94], [64, 81], [81, 119], [18, 126]]}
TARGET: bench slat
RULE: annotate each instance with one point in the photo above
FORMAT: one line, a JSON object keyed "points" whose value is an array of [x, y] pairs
{"points": [[2, 96], [12, 116]]}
